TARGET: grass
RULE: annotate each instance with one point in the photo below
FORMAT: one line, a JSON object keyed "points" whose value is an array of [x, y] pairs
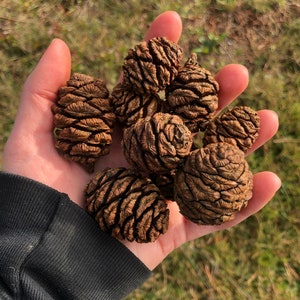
{"points": [[259, 259]]}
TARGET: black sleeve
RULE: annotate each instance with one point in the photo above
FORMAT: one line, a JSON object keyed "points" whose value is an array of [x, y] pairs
{"points": [[52, 249]]}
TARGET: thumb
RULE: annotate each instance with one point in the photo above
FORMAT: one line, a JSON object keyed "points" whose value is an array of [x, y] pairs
{"points": [[40, 89]]}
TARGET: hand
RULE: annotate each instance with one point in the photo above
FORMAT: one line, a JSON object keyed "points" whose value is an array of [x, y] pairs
{"points": [[30, 150]]}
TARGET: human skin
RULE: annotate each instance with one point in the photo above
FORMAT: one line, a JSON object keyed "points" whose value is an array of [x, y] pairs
{"points": [[30, 150]]}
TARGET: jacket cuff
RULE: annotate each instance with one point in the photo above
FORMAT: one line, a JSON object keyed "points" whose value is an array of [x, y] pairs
{"points": [[57, 250]]}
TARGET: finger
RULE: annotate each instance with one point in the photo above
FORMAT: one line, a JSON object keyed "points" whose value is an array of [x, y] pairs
{"points": [[266, 184], [40, 89], [268, 127], [167, 24], [233, 80]]}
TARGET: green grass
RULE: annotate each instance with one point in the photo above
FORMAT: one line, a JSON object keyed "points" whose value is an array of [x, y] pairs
{"points": [[259, 259]]}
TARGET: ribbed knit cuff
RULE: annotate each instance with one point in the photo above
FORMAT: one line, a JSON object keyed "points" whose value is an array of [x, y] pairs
{"points": [[54, 250]]}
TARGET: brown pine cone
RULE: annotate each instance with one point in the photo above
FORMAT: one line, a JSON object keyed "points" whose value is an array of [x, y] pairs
{"points": [[156, 144], [214, 183], [83, 120], [152, 65], [193, 95], [238, 126], [127, 206], [130, 106]]}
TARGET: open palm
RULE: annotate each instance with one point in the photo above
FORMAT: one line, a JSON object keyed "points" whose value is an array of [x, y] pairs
{"points": [[30, 149]]}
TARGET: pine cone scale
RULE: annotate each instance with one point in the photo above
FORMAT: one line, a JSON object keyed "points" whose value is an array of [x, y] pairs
{"points": [[61, 121], [88, 150], [93, 125]]}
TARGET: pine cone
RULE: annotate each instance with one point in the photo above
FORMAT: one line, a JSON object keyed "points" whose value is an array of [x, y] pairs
{"points": [[193, 95], [83, 120], [214, 183], [130, 106], [152, 65], [156, 144], [238, 126], [127, 206]]}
